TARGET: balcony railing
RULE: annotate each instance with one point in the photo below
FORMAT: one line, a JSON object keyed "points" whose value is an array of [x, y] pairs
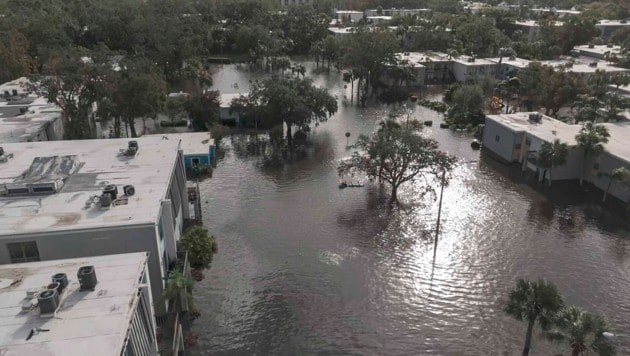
{"points": [[171, 338]]}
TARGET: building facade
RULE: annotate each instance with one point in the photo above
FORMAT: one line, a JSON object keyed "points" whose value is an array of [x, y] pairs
{"points": [[70, 199], [83, 306]]}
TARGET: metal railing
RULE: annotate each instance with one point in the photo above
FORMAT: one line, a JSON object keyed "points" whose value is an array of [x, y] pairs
{"points": [[170, 332]]}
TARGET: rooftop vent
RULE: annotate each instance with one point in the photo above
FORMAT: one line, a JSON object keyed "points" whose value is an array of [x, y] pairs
{"points": [[129, 190], [471, 59], [592, 64], [7, 94], [535, 117], [87, 278], [15, 92]]}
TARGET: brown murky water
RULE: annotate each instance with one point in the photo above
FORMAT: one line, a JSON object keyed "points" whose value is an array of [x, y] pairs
{"points": [[306, 268]]}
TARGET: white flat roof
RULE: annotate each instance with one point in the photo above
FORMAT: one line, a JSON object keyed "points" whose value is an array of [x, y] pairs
{"points": [[516, 62], [86, 323], [612, 23], [386, 18], [533, 23], [550, 129], [20, 84], [347, 12], [192, 143], [341, 30], [599, 49], [477, 62], [100, 164], [570, 12], [582, 66]]}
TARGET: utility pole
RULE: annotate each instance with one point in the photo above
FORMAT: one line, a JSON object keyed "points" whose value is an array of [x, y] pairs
{"points": [[437, 226]]}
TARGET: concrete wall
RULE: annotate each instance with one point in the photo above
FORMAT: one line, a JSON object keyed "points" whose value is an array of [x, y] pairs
{"points": [[499, 139], [606, 164], [568, 171], [463, 72]]}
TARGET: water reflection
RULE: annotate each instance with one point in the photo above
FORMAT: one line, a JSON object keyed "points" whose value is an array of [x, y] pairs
{"points": [[307, 268]]}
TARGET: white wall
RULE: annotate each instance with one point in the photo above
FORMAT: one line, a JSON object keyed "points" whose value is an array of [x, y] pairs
{"points": [[504, 145]]}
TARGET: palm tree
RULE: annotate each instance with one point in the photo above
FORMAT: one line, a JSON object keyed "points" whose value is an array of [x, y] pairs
{"points": [[587, 108], [552, 155], [591, 140], [534, 301], [582, 331], [620, 174], [509, 88], [504, 52]]}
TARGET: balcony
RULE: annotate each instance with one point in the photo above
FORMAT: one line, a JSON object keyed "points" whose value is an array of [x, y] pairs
{"points": [[170, 335]]}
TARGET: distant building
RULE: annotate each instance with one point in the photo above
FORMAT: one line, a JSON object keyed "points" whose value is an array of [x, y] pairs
{"points": [[228, 116], [531, 28], [74, 316], [467, 67], [557, 12], [397, 12], [346, 16], [377, 20], [516, 138], [608, 27], [70, 199], [597, 51], [586, 67], [198, 147], [510, 66], [294, 2], [26, 116]]}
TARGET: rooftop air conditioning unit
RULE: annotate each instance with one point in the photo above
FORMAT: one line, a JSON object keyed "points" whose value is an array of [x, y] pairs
{"points": [[7, 93], [610, 45], [105, 200], [47, 301], [62, 279], [15, 92], [87, 278], [590, 45], [132, 148], [129, 190], [592, 64], [112, 190]]}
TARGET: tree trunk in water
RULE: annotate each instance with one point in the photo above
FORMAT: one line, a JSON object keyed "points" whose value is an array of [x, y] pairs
{"points": [[394, 197], [528, 338], [132, 128], [607, 189], [542, 180], [289, 136], [550, 177], [582, 170], [351, 91]]}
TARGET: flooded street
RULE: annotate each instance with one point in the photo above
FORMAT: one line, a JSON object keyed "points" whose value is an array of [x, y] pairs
{"points": [[306, 268]]}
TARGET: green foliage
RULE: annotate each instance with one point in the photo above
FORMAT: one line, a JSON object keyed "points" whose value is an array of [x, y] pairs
{"points": [[534, 302], [203, 109], [480, 37], [178, 291], [396, 154], [591, 138], [200, 246], [582, 332], [466, 106], [292, 100], [199, 171], [434, 105], [552, 155]]}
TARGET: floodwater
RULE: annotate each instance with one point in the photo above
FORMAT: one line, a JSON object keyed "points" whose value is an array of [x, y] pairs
{"points": [[306, 268]]}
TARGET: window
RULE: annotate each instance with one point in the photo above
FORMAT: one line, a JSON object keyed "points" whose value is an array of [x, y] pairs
{"points": [[497, 138], [596, 166], [517, 146], [23, 252], [195, 162], [528, 142]]}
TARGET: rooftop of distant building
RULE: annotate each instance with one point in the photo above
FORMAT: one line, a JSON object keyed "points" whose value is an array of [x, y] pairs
{"points": [[192, 143], [86, 322], [598, 49], [48, 186], [613, 23], [534, 23], [550, 129], [22, 112]]}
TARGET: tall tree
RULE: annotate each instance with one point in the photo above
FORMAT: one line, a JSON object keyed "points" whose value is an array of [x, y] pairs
{"points": [[582, 331], [203, 109], [552, 155], [293, 101], [591, 140], [587, 108], [396, 154], [534, 302]]}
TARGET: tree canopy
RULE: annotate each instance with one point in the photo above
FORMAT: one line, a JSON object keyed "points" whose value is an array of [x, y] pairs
{"points": [[396, 154]]}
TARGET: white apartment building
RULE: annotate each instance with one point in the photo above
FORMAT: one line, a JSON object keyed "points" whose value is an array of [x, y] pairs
{"points": [[516, 138], [531, 28], [397, 12], [70, 199], [344, 16], [75, 307], [26, 116], [608, 27]]}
